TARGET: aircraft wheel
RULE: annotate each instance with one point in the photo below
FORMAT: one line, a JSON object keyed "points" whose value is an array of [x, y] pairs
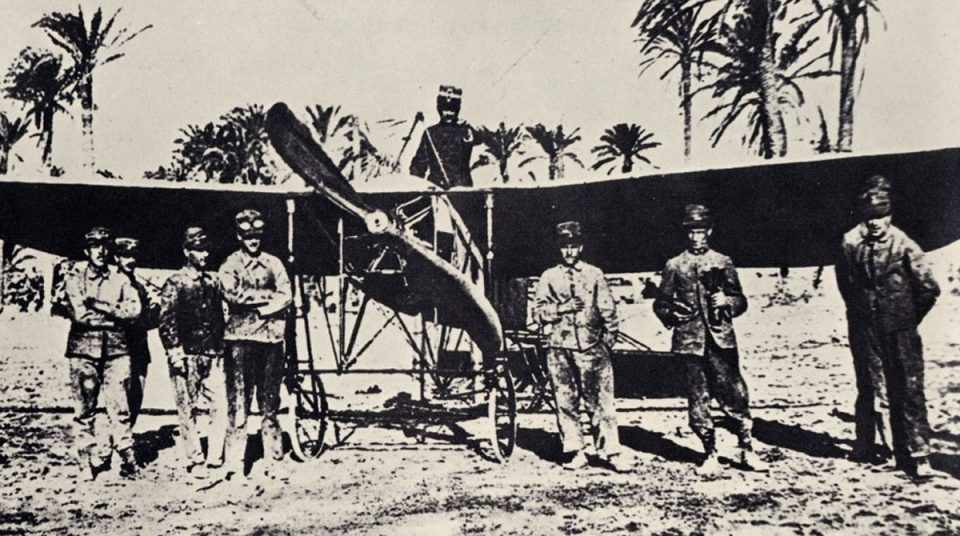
{"points": [[501, 412], [310, 419]]}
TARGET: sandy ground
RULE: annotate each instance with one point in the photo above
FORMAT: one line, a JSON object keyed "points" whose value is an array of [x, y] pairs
{"points": [[417, 479]]}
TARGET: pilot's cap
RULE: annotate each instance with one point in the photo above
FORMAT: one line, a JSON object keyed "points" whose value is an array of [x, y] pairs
{"points": [[126, 247], [250, 223], [450, 92], [98, 236], [876, 182], [875, 204], [195, 238], [448, 98], [697, 216], [569, 234]]}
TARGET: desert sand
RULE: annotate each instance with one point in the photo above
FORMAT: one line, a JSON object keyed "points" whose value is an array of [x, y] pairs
{"points": [[418, 479]]}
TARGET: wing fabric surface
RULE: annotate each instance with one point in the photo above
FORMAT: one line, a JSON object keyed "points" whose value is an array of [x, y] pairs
{"points": [[791, 214]]}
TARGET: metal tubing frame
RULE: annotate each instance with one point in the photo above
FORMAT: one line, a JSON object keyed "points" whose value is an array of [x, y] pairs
{"points": [[425, 361]]}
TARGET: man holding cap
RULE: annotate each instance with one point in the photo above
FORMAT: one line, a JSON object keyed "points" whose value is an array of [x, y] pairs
{"points": [[699, 296], [888, 289], [99, 301], [579, 315], [126, 251], [191, 330], [257, 291]]}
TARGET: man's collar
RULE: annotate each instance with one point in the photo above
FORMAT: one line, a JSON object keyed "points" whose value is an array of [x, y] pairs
{"points": [[192, 272], [865, 234], [97, 273], [698, 252], [248, 259], [577, 266]]}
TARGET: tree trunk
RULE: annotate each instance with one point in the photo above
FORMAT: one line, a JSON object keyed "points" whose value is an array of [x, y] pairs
{"points": [[4, 158], [86, 122], [3, 268], [554, 168], [848, 70], [627, 163], [770, 116], [686, 105], [47, 130]]}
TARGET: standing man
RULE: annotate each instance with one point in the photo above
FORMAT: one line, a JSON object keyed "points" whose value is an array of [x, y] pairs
{"points": [[579, 315], [443, 156], [191, 329], [699, 296], [99, 301], [126, 251], [888, 290], [257, 291]]}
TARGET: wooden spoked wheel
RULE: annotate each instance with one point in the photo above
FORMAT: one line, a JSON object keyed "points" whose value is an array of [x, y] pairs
{"points": [[501, 411]]}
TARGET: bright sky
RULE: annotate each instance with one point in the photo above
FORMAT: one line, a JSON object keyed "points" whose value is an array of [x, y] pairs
{"points": [[532, 61]]}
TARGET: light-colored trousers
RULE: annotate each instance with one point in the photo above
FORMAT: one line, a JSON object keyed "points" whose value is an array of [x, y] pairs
{"points": [[90, 378], [202, 385], [586, 376]]}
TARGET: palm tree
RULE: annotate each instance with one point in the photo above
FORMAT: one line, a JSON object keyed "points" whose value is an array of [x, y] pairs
{"points": [[89, 47], [10, 133], [554, 144], [40, 82], [499, 146], [848, 23], [761, 72], [234, 148], [346, 138], [623, 141], [677, 33]]}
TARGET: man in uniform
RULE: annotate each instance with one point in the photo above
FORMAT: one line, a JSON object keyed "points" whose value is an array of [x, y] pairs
{"points": [[443, 156], [257, 291], [191, 330], [698, 298], [99, 301], [888, 289], [579, 315], [126, 251]]}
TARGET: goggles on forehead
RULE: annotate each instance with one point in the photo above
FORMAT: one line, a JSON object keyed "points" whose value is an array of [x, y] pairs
{"points": [[254, 225]]}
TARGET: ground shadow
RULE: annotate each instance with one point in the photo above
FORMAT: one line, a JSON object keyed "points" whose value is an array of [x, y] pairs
{"points": [[150, 443], [545, 445], [794, 437], [948, 463], [656, 443]]}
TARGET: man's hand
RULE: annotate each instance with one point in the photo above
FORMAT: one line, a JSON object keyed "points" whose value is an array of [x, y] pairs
{"points": [[681, 317], [718, 300], [96, 304], [610, 339], [177, 359], [573, 305], [681, 313]]}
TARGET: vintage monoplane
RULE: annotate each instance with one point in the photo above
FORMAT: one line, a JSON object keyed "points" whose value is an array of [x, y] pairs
{"points": [[458, 305]]}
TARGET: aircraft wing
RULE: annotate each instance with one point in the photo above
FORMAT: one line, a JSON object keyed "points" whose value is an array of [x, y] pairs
{"points": [[52, 215], [788, 214]]}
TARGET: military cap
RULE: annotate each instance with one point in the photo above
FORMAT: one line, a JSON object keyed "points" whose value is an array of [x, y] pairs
{"points": [[697, 216], [450, 92], [195, 238], [249, 223], [98, 235], [875, 204], [568, 232], [126, 247], [876, 182]]}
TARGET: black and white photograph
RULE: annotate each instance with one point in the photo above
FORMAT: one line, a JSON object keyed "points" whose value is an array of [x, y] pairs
{"points": [[424, 267]]}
